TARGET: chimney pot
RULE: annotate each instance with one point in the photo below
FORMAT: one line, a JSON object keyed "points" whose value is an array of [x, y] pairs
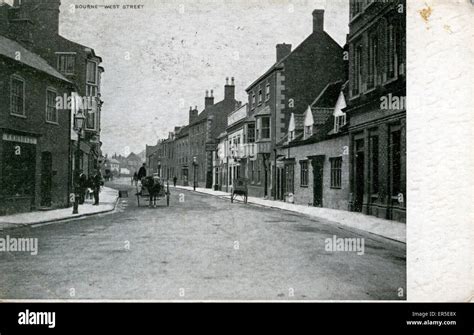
{"points": [[212, 93], [232, 82], [227, 80], [207, 93]]}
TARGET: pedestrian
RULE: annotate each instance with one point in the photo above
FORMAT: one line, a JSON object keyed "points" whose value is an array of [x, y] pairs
{"points": [[142, 172], [174, 181], [135, 178], [82, 186], [97, 182]]}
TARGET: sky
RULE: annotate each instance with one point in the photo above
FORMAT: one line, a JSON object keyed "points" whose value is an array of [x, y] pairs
{"points": [[159, 60]]}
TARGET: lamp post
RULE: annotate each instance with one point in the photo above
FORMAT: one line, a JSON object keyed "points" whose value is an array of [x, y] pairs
{"points": [[194, 172], [79, 119]]}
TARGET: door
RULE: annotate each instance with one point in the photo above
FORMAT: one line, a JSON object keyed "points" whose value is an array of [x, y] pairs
{"points": [[359, 184], [19, 167], [317, 163], [46, 178]]}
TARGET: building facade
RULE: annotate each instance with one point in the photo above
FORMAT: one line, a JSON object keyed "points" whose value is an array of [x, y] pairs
{"points": [[35, 25], [289, 86], [376, 108], [34, 132], [313, 163]]}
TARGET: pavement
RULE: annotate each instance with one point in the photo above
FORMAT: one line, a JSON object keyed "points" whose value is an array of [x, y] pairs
{"points": [[108, 199], [201, 247], [387, 228]]}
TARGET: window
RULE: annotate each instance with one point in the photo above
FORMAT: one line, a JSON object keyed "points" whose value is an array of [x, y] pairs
{"points": [[304, 173], [91, 75], [267, 92], [252, 171], [91, 91], [260, 96], [90, 120], [373, 61], [357, 74], [51, 111], [265, 122], [66, 63], [336, 172], [374, 164], [391, 52], [291, 137], [253, 102], [251, 133], [356, 7], [17, 96], [308, 131], [339, 122]]}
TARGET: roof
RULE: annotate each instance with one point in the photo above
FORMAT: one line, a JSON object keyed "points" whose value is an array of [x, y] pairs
{"points": [[299, 121], [114, 161], [328, 96], [10, 48], [321, 37]]}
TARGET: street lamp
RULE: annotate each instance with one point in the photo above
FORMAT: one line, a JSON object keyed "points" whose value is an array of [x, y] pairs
{"points": [[194, 171], [79, 119]]}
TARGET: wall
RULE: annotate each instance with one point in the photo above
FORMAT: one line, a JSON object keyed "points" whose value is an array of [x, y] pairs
{"points": [[335, 147]]}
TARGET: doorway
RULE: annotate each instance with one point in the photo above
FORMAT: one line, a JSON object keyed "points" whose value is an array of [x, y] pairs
{"points": [[359, 175], [317, 163], [46, 178]]}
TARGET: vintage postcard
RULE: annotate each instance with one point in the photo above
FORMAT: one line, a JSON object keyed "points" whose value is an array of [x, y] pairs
{"points": [[243, 150]]}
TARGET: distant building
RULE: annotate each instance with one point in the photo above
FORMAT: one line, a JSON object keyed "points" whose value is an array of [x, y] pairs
{"points": [[204, 130], [34, 133]]}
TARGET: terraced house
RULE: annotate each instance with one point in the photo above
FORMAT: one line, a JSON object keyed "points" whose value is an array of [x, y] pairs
{"points": [[377, 130], [287, 87], [35, 25], [34, 134]]}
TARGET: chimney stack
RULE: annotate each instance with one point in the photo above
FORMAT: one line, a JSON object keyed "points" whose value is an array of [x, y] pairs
{"points": [[318, 20], [229, 90], [282, 51], [193, 114], [209, 100]]}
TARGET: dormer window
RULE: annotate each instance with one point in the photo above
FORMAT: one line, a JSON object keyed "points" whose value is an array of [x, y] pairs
{"points": [[291, 136], [340, 121], [308, 131]]}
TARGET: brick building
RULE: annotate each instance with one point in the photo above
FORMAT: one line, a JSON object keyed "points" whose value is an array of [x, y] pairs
{"points": [[35, 134], [204, 130], [35, 24], [153, 154], [376, 108], [289, 86]]}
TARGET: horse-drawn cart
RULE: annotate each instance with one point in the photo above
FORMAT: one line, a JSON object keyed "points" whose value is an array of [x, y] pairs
{"points": [[239, 188], [153, 189]]}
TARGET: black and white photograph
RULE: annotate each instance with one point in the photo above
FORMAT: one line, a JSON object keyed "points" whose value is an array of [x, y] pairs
{"points": [[208, 150]]}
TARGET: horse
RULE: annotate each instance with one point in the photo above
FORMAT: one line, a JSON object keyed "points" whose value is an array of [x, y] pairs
{"points": [[153, 187]]}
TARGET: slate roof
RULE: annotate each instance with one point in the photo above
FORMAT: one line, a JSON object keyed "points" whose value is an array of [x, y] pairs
{"points": [[9, 49]]}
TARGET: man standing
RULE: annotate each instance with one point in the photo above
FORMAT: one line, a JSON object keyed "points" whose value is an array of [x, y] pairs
{"points": [[174, 181], [96, 184], [82, 187], [142, 172]]}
